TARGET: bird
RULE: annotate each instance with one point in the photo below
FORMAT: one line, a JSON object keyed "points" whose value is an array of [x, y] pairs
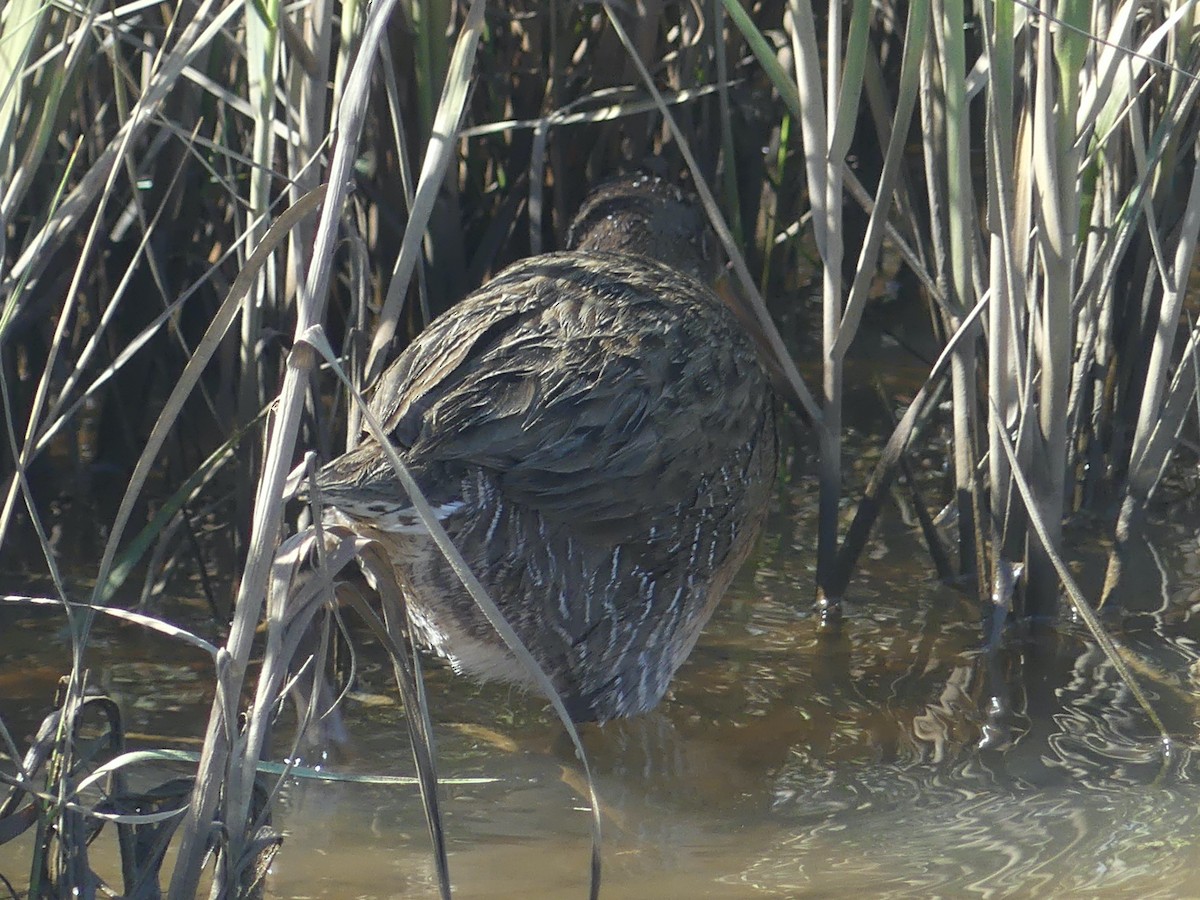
{"points": [[596, 434]]}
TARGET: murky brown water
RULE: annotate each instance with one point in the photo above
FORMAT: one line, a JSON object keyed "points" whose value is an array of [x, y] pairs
{"points": [[785, 763]]}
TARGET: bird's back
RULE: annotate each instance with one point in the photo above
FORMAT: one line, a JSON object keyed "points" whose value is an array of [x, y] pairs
{"points": [[598, 436]]}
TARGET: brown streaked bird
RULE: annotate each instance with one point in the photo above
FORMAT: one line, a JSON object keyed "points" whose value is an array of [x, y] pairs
{"points": [[597, 436]]}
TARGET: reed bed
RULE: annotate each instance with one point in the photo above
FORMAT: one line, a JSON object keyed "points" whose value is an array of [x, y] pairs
{"points": [[218, 222]]}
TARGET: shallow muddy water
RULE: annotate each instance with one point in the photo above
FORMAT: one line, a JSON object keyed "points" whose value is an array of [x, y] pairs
{"points": [[892, 758], [792, 763]]}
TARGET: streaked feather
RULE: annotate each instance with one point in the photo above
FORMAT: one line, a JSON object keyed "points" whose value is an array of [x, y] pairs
{"points": [[597, 435]]}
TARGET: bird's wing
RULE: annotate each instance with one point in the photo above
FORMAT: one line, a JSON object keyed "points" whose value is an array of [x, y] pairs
{"points": [[594, 396]]}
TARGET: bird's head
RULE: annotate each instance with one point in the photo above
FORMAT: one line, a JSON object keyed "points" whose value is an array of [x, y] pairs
{"points": [[648, 216]]}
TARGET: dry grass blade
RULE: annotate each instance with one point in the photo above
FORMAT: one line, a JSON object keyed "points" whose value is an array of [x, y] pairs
{"points": [[606, 113], [1155, 459], [188, 867], [262, 51], [81, 361], [394, 632], [42, 101], [289, 622], [124, 564], [442, 145], [400, 139], [22, 453], [86, 811], [304, 773], [850, 87], [20, 483], [23, 20]]}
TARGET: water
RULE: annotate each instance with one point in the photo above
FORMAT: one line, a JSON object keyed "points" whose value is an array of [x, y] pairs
{"points": [[890, 759]]}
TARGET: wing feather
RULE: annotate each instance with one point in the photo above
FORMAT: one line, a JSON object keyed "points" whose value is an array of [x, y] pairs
{"points": [[587, 384]]}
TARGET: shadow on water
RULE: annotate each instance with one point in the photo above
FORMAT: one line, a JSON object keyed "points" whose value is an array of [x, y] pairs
{"points": [[892, 758]]}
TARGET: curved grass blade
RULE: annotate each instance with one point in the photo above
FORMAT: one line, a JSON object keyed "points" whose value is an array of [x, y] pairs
{"points": [[195, 366], [745, 279], [125, 615], [136, 549]]}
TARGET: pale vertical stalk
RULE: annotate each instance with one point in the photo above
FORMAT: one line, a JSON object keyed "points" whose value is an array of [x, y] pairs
{"points": [[439, 153], [1041, 586], [961, 215], [1001, 369], [1101, 411], [890, 184], [801, 24], [1093, 350], [349, 22], [826, 173], [831, 295], [729, 181], [1003, 365], [307, 93], [1055, 168], [307, 114], [843, 89], [933, 155], [959, 195], [262, 55]]}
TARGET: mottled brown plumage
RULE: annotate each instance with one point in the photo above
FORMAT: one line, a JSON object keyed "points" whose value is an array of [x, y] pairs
{"points": [[646, 216], [598, 438]]}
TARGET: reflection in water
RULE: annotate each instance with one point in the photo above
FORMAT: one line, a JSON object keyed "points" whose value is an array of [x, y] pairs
{"points": [[791, 762], [891, 758], [955, 834]]}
